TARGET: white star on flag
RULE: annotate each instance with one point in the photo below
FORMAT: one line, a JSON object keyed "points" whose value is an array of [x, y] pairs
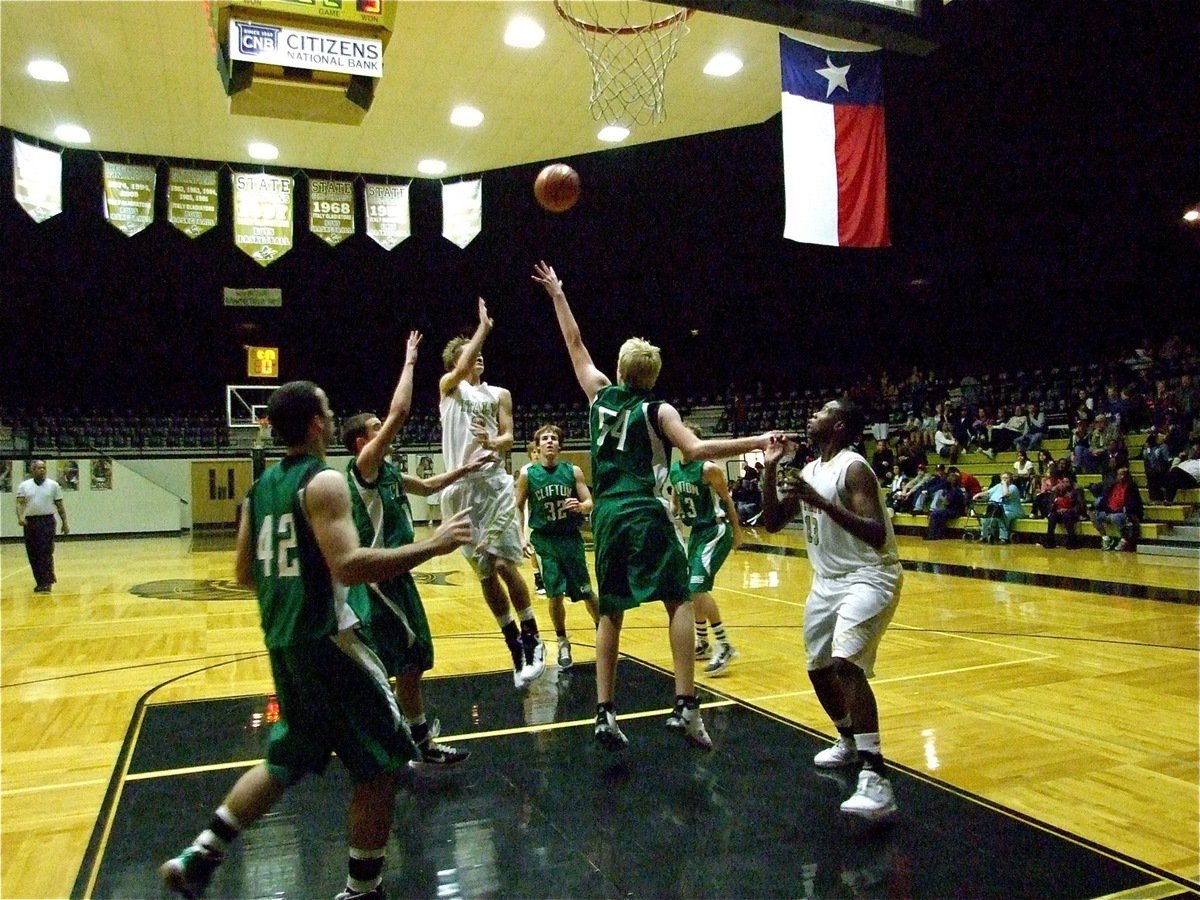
{"points": [[835, 75]]}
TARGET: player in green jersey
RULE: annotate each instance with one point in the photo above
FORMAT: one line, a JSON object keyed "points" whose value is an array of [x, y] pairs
{"points": [[393, 616], [298, 548], [559, 499], [638, 554], [701, 498]]}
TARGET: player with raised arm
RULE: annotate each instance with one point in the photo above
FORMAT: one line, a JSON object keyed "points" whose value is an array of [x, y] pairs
{"points": [[477, 417], [298, 548], [393, 615], [559, 500], [639, 557], [855, 590]]}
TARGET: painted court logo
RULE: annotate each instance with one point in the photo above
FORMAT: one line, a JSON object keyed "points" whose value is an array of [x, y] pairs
{"points": [[227, 589]]}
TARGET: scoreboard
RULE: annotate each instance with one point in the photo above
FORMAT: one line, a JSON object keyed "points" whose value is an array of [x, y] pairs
{"points": [[262, 362]]}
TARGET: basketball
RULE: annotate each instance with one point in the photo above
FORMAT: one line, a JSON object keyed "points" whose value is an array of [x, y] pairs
{"points": [[557, 187]]}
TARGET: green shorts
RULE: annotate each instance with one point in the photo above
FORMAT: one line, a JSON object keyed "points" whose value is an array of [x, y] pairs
{"points": [[334, 698], [401, 650], [564, 566], [638, 554], [707, 550]]}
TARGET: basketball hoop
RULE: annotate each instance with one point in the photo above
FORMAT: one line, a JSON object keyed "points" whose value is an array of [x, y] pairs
{"points": [[629, 44]]}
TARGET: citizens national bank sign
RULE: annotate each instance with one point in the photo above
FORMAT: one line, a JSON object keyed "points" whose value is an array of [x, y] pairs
{"points": [[281, 45]]}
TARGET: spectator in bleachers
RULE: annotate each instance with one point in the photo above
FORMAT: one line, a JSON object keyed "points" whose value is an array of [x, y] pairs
{"points": [[1003, 509], [1183, 475], [1100, 436], [969, 482], [948, 503], [1187, 400], [980, 427], [1157, 462], [910, 457], [922, 499], [1023, 472], [1005, 431], [1035, 428], [883, 460], [1066, 508], [1121, 506], [747, 497], [903, 500], [944, 442]]}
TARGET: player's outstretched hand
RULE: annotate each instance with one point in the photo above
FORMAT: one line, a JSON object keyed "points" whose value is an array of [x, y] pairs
{"points": [[410, 351], [543, 274], [484, 320], [454, 532]]}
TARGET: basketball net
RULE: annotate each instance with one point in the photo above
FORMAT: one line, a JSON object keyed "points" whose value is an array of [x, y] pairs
{"points": [[629, 44]]}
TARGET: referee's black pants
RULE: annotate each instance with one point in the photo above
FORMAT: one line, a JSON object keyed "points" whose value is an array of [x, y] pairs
{"points": [[39, 547]]}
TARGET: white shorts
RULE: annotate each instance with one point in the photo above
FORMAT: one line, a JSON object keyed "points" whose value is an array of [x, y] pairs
{"points": [[494, 528], [846, 617]]}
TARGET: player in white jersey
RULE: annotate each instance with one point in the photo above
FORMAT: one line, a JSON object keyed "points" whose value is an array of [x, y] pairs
{"points": [[477, 418], [855, 589]]}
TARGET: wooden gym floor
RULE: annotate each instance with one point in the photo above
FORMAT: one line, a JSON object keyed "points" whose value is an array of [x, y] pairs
{"points": [[1041, 707]]}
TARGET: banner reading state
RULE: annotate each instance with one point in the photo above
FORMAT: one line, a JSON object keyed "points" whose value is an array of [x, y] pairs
{"points": [[262, 215], [37, 180], [387, 214], [192, 200], [331, 210], [129, 196]]}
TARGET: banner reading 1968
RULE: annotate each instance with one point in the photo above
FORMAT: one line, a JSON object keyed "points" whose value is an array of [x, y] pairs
{"points": [[331, 210], [192, 200], [262, 215], [129, 196]]}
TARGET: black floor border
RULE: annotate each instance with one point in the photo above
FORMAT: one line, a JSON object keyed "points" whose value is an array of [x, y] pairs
{"points": [[1035, 579]]}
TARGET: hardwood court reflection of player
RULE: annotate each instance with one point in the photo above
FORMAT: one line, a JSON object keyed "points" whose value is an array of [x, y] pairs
{"points": [[855, 590]]}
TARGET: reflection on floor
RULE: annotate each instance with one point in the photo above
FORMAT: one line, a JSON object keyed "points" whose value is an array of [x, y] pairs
{"points": [[539, 811]]}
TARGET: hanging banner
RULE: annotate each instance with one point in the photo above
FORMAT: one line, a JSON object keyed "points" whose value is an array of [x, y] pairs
{"points": [[37, 180], [262, 215], [331, 210], [387, 214], [192, 200], [129, 196], [462, 211]]}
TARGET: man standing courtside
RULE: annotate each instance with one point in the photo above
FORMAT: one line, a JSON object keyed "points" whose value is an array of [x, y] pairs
{"points": [[298, 548], [477, 417], [639, 557], [37, 499], [855, 589]]}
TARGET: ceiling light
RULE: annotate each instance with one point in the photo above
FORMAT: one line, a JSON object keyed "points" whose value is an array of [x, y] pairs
{"points": [[47, 70], [1192, 215], [261, 150], [465, 116], [524, 32], [613, 133], [72, 134], [431, 167], [723, 65]]}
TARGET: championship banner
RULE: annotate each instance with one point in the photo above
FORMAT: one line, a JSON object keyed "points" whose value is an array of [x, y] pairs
{"points": [[462, 211], [37, 180], [387, 214], [129, 196], [192, 200], [331, 210], [262, 215]]}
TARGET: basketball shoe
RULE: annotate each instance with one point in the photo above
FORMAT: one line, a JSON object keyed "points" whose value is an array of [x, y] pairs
{"points": [[564, 655], [535, 658], [703, 649], [189, 873], [843, 753], [688, 722], [435, 756], [608, 732], [721, 660], [874, 799]]}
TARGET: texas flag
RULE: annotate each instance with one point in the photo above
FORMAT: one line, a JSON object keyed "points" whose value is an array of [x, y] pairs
{"points": [[834, 155]]}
